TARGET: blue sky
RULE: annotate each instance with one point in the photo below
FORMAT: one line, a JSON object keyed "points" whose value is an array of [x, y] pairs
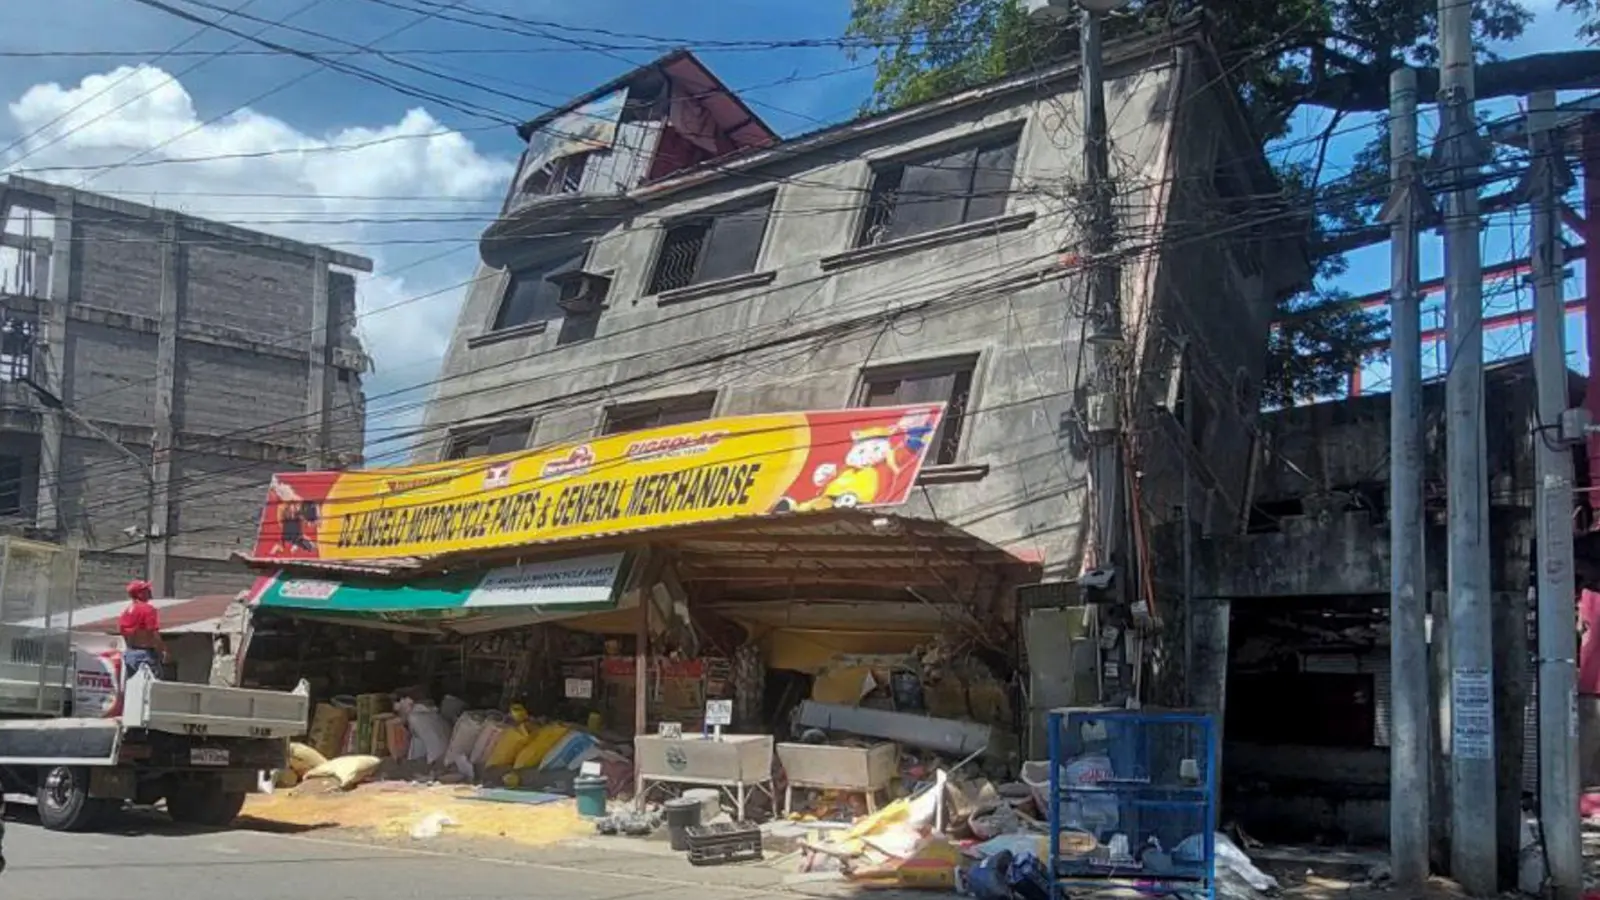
{"points": [[1506, 238], [158, 92]]}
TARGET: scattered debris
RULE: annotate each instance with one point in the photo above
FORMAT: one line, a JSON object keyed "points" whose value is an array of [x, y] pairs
{"points": [[431, 826], [632, 824]]}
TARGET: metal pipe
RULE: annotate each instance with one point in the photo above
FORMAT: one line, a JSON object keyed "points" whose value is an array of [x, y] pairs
{"points": [[1558, 648], [1473, 851], [1408, 644]]}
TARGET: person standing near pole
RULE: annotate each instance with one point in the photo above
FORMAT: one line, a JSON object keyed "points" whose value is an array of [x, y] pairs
{"points": [[1588, 679], [140, 625]]}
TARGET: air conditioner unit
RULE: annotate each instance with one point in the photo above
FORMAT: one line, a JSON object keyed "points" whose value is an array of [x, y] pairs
{"points": [[582, 292]]}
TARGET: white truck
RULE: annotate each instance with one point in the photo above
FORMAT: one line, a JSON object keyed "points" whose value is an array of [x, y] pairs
{"points": [[79, 739]]}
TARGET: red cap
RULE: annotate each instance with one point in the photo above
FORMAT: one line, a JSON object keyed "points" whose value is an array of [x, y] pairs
{"points": [[139, 589]]}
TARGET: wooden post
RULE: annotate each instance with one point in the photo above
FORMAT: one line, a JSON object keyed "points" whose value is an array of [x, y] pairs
{"points": [[641, 667]]}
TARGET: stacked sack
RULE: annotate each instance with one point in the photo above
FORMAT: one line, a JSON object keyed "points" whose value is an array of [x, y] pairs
{"points": [[328, 725]]}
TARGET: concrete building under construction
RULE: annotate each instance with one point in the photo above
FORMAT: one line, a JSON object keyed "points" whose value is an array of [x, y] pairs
{"points": [[155, 370]]}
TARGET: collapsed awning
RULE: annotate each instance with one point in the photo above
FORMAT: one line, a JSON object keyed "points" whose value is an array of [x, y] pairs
{"points": [[499, 597]]}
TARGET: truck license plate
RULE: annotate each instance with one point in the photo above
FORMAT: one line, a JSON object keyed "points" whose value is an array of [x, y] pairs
{"points": [[208, 756]]}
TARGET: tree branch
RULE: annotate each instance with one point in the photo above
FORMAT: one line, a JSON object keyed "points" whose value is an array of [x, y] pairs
{"points": [[1367, 89]]}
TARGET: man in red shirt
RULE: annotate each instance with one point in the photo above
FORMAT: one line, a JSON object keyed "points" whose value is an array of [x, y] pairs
{"points": [[140, 625]]}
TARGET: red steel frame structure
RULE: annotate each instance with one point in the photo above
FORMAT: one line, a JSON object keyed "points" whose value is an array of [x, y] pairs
{"points": [[1582, 124]]}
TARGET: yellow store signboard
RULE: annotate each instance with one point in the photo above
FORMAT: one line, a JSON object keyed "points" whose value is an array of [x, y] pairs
{"points": [[699, 472]]}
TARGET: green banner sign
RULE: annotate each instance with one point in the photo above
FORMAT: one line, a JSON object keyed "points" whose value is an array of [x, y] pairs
{"points": [[584, 584]]}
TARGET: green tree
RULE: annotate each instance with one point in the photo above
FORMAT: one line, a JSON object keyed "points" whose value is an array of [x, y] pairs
{"points": [[1281, 54]]}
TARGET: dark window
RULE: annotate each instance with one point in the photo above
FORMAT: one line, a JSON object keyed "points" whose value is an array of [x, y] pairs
{"points": [[532, 297], [1237, 209], [560, 176], [706, 248], [949, 383], [489, 440], [1195, 412], [657, 413], [966, 185], [1306, 709], [10, 485]]}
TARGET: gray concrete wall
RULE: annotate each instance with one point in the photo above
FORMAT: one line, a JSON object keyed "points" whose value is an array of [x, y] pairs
{"points": [[802, 338], [1344, 445], [220, 391], [191, 339], [120, 266], [1328, 464]]}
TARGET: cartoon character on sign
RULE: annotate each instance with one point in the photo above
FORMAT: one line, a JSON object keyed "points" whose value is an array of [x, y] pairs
{"points": [[872, 466], [296, 520]]}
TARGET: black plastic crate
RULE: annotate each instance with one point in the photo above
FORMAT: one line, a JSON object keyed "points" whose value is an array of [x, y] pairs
{"points": [[724, 842]]}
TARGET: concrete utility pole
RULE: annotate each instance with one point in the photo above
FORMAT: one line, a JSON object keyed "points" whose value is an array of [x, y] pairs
{"points": [[1546, 181], [1103, 307], [1409, 758], [155, 560], [1473, 850]]}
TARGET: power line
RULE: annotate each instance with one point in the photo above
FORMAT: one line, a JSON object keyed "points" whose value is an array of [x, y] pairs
{"points": [[774, 327], [155, 58], [170, 79], [401, 29], [963, 294], [417, 387], [504, 411]]}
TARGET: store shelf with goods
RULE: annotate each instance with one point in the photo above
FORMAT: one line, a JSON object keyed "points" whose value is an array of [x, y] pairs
{"points": [[1131, 799]]}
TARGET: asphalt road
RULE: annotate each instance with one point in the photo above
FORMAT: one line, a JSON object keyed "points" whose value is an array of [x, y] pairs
{"points": [[149, 860]]}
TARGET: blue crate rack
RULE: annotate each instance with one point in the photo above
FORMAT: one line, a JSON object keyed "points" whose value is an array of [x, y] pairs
{"points": [[1148, 775]]}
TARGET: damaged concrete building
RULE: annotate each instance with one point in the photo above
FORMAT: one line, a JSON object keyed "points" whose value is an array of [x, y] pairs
{"points": [[664, 258], [1291, 614], [155, 370]]}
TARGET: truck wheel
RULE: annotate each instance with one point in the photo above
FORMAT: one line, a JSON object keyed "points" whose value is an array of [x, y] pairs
{"points": [[64, 803], [204, 803]]}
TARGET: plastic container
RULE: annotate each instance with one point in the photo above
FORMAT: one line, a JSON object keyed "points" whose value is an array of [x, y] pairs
{"points": [[591, 793], [710, 802], [711, 845], [681, 814]]}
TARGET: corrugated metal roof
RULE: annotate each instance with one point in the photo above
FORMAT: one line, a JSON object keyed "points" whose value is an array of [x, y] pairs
{"points": [[840, 544]]}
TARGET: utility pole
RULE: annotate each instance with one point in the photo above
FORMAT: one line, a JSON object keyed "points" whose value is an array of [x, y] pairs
{"points": [[1409, 743], [155, 557], [1105, 347], [1473, 849], [1103, 309], [1546, 181]]}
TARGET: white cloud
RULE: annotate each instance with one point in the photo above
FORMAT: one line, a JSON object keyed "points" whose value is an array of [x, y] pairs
{"points": [[261, 172]]}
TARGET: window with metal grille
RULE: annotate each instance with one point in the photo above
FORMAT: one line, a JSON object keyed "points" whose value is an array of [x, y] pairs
{"points": [[950, 188], [532, 297], [559, 176], [658, 413], [489, 440], [17, 337], [711, 247], [946, 381]]}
